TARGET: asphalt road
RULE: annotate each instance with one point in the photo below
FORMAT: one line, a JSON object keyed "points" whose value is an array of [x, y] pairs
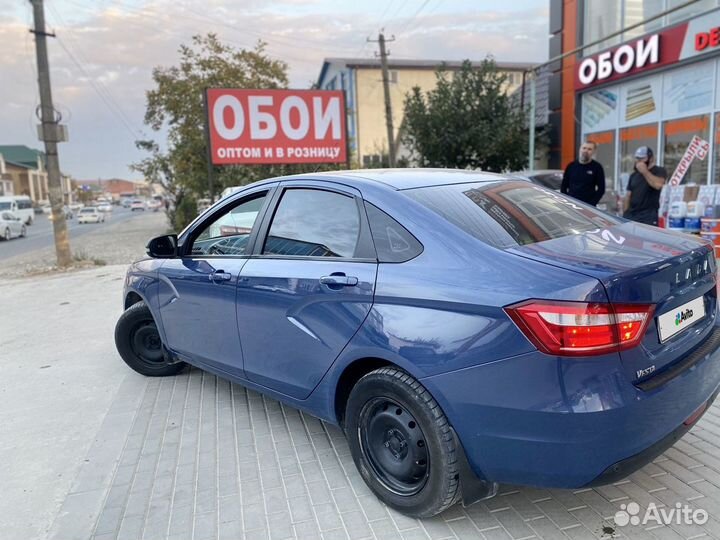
{"points": [[40, 233]]}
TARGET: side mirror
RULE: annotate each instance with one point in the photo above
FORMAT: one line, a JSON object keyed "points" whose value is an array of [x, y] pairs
{"points": [[163, 247]]}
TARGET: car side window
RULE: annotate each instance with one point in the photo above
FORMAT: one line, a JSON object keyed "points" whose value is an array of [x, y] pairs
{"points": [[229, 233], [314, 223], [393, 242]]}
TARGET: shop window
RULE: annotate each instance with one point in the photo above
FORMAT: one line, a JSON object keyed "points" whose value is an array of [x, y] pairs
{"points": [[630, 140], [694, 9], [605, 154], [677, 135], [602, 18], [716, 146], [639, 11]]}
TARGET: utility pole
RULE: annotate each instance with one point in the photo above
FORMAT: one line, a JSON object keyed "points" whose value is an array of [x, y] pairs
{"points": [[386, 90], [51, 134]]}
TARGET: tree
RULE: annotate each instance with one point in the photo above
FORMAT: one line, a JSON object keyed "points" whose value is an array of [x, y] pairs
{"points": [[466, 122], [176, 107]]}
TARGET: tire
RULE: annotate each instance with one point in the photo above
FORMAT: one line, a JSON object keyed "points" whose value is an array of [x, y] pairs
{"points": [[23, 232], [6, 235], [138, 341], [29, 221], [402, 443]]}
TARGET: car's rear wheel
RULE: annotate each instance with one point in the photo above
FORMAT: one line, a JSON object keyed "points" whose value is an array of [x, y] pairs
{"points": [[6, 234], [23, 232], [29, 221], [138, 341], [402, 443]]}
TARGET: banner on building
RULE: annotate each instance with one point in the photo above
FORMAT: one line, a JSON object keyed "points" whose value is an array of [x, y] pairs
{"points": [[276, 126], [698, 148], [684, 41]]}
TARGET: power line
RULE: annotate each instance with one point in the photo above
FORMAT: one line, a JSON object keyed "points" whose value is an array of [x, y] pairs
{"points": [[112, 107], [407, 25], [103, 92]]}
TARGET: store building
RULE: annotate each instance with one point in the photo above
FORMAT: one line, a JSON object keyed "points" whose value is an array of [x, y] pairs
{"points": [[656, 85]]}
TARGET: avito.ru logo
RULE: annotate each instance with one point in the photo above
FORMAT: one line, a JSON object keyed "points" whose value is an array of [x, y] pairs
{"points": [[683, 316], [629, 514]]}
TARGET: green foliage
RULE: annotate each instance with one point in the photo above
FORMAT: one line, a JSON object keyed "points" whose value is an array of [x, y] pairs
{"points": [[175, 108], [466, 122], [184, 212]]}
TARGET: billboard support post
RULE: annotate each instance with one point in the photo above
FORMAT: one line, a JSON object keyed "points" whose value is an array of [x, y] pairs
{"points": [[211, 169]]}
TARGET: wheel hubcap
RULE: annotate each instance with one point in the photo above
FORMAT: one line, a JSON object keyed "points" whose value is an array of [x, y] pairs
{"points": [[394, 446], [146, 343]]}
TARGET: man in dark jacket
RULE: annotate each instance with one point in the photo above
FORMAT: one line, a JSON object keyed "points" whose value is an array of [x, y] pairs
{"points": [[642, 201], [584, 178]]}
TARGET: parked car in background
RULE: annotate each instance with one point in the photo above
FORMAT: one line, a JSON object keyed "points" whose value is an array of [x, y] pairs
{"points": [[104, 207], [11, 226], [464, 329], [75, 207], [90, 214], [137, 204], [153, 205], [20, 206], [552, 179], [125, 202], [66, 212]]}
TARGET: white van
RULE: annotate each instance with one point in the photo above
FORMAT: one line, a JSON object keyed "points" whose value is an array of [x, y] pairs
{"points": [[20, 205]]}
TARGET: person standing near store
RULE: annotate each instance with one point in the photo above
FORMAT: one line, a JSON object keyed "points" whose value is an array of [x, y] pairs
{"points": [[584, 178], [642, 201]]}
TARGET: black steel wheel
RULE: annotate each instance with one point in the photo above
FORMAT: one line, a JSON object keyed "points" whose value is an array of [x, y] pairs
{"points": [[394, 446], [402, 443], [139, 343]]}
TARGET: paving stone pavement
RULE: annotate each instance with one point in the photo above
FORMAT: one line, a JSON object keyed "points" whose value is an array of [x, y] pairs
{"points": [[204, 458], [91, 450]]}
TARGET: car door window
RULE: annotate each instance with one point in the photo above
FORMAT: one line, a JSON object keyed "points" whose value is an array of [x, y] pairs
{"points": [[314, 223], [229, 233]]}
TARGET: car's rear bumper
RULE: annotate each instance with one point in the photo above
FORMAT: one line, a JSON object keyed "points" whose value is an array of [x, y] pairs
{"points": [[554, 422]]}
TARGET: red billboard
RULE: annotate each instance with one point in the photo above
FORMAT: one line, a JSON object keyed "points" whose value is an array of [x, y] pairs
{"points": [[276, 126]]}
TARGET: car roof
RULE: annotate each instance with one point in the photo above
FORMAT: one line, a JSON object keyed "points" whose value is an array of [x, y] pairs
{"points": [[398, 179]]}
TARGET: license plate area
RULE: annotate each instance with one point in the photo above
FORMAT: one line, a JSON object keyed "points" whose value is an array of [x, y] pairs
{"points": [[676, 320]]}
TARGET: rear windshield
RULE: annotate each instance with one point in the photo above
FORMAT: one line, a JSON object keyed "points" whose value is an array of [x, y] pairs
{"points": [[512, 213], [87, 211]]}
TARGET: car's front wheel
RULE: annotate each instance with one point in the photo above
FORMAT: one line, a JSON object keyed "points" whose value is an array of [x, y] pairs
{"points": [[6, 234], [402, 443], [138, 341], [23, 232]]}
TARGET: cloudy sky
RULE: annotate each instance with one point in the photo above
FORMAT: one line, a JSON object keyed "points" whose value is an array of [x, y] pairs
{"points": [[102, 60]]}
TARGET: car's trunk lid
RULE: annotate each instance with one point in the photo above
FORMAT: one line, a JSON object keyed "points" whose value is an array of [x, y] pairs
{"points": [[644, 265]]}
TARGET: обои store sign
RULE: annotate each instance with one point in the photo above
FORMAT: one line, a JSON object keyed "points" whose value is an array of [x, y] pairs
{"points": [[276, 126], [624, 59], [692, 38]]}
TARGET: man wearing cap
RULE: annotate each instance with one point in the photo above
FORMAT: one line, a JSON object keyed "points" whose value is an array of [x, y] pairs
{"points": [[584, 178], [642, 201]]}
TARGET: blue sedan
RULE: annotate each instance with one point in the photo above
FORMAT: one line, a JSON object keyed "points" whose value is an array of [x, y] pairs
{"points": [[464, 329]]}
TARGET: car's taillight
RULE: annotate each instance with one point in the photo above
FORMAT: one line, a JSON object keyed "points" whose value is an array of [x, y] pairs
{"points": [[579, 328]]}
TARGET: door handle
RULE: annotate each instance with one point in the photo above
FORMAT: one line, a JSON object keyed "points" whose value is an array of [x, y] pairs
{"points": [[220, 275], [339, 280]]}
